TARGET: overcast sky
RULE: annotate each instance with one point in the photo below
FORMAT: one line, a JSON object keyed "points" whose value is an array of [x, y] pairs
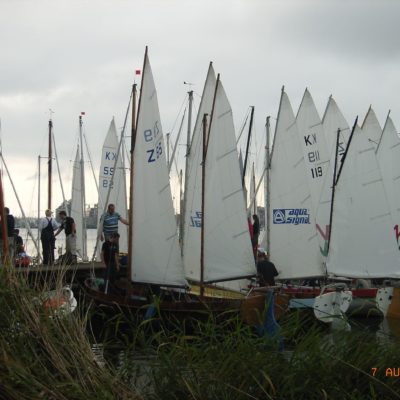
{"points": [[72, 56]]}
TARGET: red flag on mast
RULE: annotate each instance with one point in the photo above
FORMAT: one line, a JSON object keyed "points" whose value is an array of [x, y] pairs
{"points": [[137, 71]]}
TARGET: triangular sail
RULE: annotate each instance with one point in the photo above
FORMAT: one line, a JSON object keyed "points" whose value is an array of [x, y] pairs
{"points": [[117, 195], [227, 247], [388, 154], [77, 205], [333, 121], [293, 239], [371, 127], [155, 249], [362, 243], [192, 212]]}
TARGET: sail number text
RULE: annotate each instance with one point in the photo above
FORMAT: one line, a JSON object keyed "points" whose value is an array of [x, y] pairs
{"points": [[313, 156], [152, 135]]}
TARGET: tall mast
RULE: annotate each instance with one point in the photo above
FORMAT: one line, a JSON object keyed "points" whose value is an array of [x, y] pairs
{"points": [[267, 185], [38, 216], [130, 212], [203, 186], [49, 164], [203, 173], [248, 144], [188, 143], [133, 142], [83, 205]]}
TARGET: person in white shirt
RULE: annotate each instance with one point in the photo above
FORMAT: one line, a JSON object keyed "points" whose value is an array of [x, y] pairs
{"points": [[47, 226]]}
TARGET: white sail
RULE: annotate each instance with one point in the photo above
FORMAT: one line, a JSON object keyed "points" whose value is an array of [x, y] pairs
{"points": [[333, 121], [117, 195], [155, 249], [77, 205], [192, 221], [293, 239], [388, 154], [227, 247], [313, 144], [362, 244], [371, 127]]}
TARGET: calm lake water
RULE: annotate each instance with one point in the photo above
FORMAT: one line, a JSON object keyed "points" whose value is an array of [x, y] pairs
{"points": [[60, 242]]}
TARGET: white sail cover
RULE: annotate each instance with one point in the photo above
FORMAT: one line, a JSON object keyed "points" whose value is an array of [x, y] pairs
{"points": [[192, 221], [227, 247], [388, 154], [117, 195], [155, 250], [362, 244], [77, 205], [333, 121], [293, 239], [371, 127]]}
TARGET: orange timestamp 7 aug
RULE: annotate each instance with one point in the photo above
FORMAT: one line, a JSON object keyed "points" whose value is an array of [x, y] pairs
{"points": [[388, 372]]}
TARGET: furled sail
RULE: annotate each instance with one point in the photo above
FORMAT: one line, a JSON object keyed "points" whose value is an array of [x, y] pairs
{"points": [[77, 210], [227, 246], [293, 239], [363, 243], [155, 250], [117, 196]]}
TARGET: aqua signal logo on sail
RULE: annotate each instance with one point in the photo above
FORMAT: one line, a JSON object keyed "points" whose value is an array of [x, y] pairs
{"points": [[294, 216]]}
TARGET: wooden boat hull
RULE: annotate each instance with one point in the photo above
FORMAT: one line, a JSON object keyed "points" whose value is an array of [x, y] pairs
{"points": [[251, 309]]}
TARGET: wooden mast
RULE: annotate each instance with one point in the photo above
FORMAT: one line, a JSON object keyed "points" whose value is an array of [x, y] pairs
{"points": [[248, 144], [133, 142], [49, 165], [203, 180], [130, 213]]}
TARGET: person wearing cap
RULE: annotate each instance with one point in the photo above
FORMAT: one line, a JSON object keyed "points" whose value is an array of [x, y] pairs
{"points": [[110, 258], [265, 269], [47, 226]]}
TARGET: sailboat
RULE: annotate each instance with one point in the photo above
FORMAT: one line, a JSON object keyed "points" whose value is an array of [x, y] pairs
{"points": [[388, 153], [299, 163], [112, 168], [155, 259]]}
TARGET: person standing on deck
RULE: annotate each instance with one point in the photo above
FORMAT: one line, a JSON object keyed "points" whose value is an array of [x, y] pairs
{"points": [[110, 258], [109, 221], [47, 226], [266, 270], [68, 224]]}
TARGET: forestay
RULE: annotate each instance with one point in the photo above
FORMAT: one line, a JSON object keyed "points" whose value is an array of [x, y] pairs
{"points": [[363, 243], [155, 250], [227, 247], [77, 205], [293, 239], [110, 159], [192, 222]]}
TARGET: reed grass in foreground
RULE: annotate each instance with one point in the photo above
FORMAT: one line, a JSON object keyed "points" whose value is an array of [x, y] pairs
{"points": [[53, 358], [46, 357], [227, 360]]}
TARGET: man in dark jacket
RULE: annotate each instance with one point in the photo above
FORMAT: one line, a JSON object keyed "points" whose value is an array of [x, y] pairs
{"points": [[265, 269]]}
